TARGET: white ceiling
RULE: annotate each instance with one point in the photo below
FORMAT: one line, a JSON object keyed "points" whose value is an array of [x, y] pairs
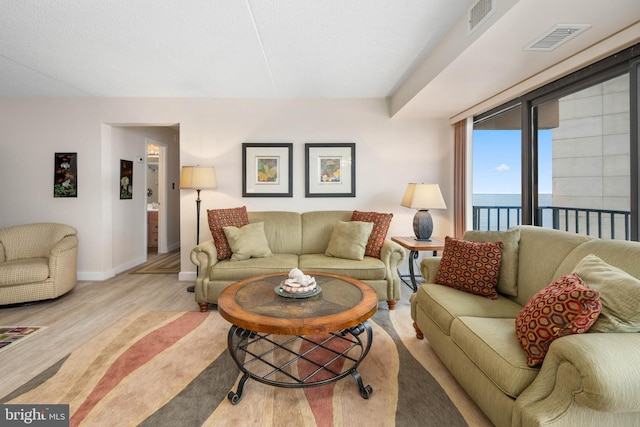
{"points": [[417, 53], [221, 48]]}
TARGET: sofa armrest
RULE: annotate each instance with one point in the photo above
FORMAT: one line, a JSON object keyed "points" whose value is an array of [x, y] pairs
{"points": [[204, 256], [429, 267], [598, 371], [392, 254]]}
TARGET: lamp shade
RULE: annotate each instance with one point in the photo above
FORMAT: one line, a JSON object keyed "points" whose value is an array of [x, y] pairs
{"points": [[198, 177], [423, 196]]}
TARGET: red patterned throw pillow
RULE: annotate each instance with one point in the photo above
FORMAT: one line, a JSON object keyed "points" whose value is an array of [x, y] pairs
{"points": [[565, 307], [470, 266], [381, 222], [219, 218]]}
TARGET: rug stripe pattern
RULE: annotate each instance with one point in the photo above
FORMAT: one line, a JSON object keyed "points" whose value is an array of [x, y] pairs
{"points": [[172, 368]]}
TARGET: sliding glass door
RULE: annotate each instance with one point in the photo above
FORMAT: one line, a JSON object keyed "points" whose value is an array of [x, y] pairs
{"points": [[583, 161], [564, 156], [497, 198]]}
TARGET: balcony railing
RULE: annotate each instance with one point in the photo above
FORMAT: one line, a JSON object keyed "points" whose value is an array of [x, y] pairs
{"points": [[602, 223]]}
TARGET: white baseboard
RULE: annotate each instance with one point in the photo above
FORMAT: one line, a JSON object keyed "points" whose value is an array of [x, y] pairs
{"points": [[187, 276], [96, 276]]}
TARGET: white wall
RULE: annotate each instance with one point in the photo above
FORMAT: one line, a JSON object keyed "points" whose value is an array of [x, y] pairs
{"points": [[389, 154]]}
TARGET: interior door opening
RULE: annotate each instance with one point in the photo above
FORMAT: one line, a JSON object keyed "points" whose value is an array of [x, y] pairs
{"points": [[156, 196]]}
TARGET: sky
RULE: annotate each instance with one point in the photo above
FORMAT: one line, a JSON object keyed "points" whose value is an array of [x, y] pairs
{"points": [[497, 162]]}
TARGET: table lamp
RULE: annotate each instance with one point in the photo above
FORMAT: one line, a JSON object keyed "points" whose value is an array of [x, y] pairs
{"points": [[423, 197]]}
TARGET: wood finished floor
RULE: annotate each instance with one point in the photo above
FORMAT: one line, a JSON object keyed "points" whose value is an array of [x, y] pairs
{"points": [[92, 307]]}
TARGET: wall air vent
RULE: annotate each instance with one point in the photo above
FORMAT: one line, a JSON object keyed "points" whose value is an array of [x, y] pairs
{"points": [[556, 36], [479, 12]]}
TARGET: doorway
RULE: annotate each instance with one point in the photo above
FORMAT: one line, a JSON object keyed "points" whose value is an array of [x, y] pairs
{"points": [[156, 196]]}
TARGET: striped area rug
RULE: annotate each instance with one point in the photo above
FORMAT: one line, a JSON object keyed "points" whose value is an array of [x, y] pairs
{"points": [[173, 369], [162, 264]]}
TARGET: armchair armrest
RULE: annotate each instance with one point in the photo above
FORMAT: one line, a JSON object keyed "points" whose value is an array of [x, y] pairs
{"points": [[597, 371], [429, 267], [63, 263], [66, 243], [392, 254]]}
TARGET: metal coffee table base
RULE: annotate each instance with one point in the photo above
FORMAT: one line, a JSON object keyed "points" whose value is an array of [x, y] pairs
{"points": [[276, 359]]}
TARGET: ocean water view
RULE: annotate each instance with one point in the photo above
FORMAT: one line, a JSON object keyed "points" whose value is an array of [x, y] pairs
{"points": [[501, 211], [502, 218], [483, 199]]}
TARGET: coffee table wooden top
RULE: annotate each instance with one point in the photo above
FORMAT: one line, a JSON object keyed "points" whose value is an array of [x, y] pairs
{"points": [[253, 304]]}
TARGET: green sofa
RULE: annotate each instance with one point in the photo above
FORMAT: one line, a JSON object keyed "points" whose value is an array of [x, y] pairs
{"points": [[297, 240], [590, 379]]}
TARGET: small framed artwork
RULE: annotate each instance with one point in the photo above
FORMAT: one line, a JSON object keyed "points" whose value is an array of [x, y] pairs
{"points": [[126, 179], [65, 175], [267, 169], [330, 170]]}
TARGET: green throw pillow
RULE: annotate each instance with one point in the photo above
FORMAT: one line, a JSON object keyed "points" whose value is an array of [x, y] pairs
{"points": [[619, 295], [508, 276], [349, 239], [247, 242]]}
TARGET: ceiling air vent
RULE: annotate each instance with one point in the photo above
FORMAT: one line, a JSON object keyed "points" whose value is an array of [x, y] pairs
{"points": [[556, 36], [479, 12]]}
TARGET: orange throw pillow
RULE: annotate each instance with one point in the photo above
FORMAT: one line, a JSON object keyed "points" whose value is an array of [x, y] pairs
{"points": [[219, 218], [567, 306], [470, 266], [381, 222]]}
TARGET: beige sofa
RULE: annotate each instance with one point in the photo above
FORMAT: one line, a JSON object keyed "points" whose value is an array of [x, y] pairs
{"points": [[590, 379], [297, 240], [37, 262]]}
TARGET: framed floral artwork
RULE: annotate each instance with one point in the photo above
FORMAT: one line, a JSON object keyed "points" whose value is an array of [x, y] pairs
{"points": [[65, 175], [267, 169], [330, 170], [126, 179]]}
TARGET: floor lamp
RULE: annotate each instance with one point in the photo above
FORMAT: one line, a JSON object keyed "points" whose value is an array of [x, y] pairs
{"points": [[198, 178]]}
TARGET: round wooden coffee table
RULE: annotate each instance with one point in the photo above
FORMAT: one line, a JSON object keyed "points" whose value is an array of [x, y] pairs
{"points": [[298, 342]]}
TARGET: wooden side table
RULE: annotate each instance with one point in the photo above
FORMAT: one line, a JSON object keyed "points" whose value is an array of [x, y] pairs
{"points": [[415, 246]]}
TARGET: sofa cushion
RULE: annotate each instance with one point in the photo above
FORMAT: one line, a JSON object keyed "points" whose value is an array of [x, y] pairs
{"points": [[227, 270], [247, 241], [219, 218], [491, 344], [22, 271], [443, 304], [470, 266], [508, 278], [349, 240], [368, 269], [540, 253], [283, 230], [381, 222], [567, 306], [619, 295], [317, 227]]}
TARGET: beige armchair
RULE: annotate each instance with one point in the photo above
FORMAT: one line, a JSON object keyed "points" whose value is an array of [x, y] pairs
{"points": [[37, 262]]}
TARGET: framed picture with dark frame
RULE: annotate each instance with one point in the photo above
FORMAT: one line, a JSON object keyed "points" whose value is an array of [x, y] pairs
{"points": [[330, 170], [267, 169], [65, 175], [126, 179]]}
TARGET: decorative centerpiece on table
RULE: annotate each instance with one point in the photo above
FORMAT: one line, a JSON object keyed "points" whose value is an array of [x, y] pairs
{"points": [[298, 285]]}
